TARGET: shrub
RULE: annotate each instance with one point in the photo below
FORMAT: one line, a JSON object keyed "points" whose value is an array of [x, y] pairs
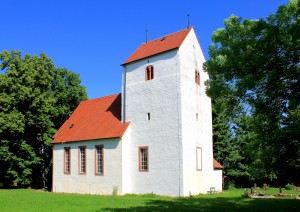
{"points": [[150, 195], [115, 191], [290, 187], [265, 186], [228, 185], [257, 189]]}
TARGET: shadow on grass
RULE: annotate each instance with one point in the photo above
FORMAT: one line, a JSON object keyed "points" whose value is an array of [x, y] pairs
{"points": [[215, 204]]}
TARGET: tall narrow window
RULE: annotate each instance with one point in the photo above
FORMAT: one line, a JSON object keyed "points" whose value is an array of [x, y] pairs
{"points": [[99, 163], [143, 159], [67, 161], [199, 158], [197, 77], [82, 160], [149, 73]]}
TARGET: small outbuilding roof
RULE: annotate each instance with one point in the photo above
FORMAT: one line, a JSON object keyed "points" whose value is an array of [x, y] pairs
{"points": [[217, 165], [93, 119], [160, 45]]}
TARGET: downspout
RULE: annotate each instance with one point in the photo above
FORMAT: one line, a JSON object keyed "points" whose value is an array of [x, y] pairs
{"points": [[53, 189], [180, 158], [123, 94]]}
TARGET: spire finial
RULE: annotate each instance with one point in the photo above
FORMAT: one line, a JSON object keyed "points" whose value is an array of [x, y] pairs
{"points": [[146, 36], [188, 21]]}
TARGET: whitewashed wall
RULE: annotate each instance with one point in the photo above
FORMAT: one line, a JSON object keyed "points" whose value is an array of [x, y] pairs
{"points": [[196, 132], [172, 98], [161, 98], [218, 179], [126, 165], [88, 183]]}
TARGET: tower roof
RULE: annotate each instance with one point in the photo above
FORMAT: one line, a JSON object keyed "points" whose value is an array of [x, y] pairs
{"points": [[93, 119], [159, 45]]}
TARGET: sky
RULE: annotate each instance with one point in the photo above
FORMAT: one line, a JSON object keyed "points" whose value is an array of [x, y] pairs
{"points": [[94, 37]]}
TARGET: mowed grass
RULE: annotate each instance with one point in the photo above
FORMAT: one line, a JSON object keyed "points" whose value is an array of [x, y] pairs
{"points": [[232, 200]]}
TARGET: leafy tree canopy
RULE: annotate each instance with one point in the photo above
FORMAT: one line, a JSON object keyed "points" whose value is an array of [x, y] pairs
{"points": [[256, 63], [35, 99]]}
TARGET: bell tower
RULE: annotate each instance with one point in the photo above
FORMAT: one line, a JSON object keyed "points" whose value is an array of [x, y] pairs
{"points": [[170, 116]]}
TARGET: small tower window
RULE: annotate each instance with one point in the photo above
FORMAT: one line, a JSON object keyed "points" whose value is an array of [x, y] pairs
{"points": [[197, 77], [149, 73], [199, 158], [148, 116], [143, 159]]}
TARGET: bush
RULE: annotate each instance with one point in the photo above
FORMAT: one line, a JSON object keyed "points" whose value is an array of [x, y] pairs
{"points": [[228, 185], [115, 191], [150, 195], [290, 187], [265, 186]]}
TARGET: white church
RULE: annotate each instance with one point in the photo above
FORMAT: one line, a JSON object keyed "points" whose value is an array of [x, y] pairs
{"points": [[154, 137]]}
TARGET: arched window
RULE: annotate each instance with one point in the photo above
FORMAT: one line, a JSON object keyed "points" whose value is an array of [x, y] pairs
{"points": [[149, 75], [197, 77]]}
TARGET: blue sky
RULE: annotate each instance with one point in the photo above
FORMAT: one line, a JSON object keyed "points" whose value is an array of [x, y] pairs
{"points": [[92, 38]]}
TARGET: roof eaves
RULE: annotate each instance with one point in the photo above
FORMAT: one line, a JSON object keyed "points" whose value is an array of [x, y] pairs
{"points": [[93, 139]]}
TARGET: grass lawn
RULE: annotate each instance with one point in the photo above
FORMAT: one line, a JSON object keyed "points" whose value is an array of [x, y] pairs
{"points": [[232, 200]]}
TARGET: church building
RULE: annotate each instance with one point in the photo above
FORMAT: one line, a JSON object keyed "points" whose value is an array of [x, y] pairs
{"points": [[156, 136]]}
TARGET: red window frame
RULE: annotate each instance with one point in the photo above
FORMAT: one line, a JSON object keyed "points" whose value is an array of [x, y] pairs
{"points": [[142, 167], [97, 161], [79, 160], [197, 77], [67, 149], [149, 73], [199, 166]]}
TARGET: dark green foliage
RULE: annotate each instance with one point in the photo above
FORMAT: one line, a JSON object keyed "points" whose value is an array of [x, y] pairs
{"points": [[35, 99], [290, 187], [230, 137], [255, 63]]}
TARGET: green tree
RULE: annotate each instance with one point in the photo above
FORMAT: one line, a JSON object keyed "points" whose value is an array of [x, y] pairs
{"points": [[222, 135], [35, 99], [256, 62], [231, 135]]}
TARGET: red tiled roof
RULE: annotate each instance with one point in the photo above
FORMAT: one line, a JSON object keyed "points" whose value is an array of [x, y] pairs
{"points": [[159, 45], [93, 119], [217, 165]]}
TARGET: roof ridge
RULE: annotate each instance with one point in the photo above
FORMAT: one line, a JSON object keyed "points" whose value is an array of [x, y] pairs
{"points": [[159, 45], [103, 97], [167, 35]]}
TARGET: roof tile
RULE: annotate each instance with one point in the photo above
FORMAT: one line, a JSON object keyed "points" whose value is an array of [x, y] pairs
{"points": [[162, 44], [217, 165], [93, 119]]}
